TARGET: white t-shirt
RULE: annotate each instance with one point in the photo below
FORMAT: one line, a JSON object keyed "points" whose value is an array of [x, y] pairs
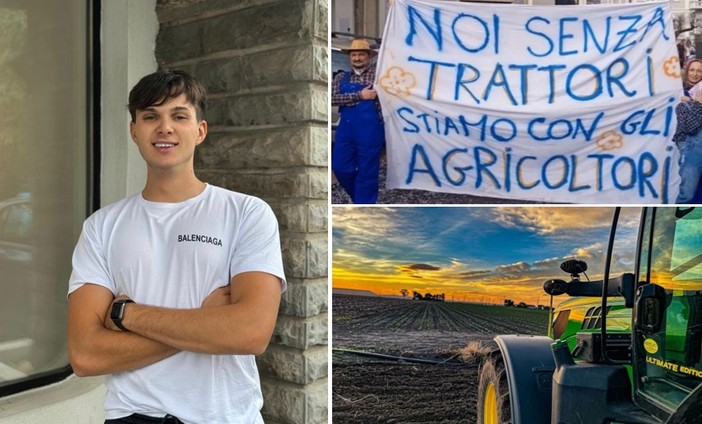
{"points": [[174, 255]]}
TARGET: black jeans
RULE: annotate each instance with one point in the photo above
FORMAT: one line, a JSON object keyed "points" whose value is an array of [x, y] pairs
{"points": [[144, 419]]}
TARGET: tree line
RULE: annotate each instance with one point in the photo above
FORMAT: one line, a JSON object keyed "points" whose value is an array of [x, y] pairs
{"points": [[427, 296], [441, 297]]}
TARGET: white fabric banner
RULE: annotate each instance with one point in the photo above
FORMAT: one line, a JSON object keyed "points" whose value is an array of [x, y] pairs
{"points": [[545, 103]]}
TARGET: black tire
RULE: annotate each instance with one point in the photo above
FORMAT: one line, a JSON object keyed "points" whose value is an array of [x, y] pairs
{"points": [[493, 393]]}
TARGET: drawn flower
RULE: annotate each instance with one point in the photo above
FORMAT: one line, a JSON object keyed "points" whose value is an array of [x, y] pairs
{"points": [[610, 140], [397, 82], [671, 67]]}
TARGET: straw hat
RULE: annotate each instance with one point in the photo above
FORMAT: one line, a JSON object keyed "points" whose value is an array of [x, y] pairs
{"points": [[359, 45]]}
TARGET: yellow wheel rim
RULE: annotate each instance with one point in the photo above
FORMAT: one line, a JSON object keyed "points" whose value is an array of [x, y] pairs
{"points": [[490, 405]]}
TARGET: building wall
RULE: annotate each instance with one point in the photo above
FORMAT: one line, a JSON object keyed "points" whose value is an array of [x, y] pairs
{"points": [[264, 63]]}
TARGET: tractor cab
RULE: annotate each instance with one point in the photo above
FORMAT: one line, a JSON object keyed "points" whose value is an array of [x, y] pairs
{"points": [[623, 349], [667, 315], [648, 339]]}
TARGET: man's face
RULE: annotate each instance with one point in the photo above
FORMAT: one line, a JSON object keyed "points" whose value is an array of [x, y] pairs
{"points": [[359, 59], [166, 135]]}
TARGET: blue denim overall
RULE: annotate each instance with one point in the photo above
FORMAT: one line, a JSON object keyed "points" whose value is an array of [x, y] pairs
{"points": [[357, 147], [690, 168]]}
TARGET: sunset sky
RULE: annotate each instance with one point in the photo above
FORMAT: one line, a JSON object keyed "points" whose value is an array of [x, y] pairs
{"points": [[471, 253]]}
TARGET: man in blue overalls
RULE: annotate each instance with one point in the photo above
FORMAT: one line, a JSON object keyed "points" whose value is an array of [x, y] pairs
{"points": [[360, 137]]}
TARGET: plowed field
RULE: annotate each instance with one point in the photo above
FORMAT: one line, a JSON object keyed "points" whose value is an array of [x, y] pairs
{"points": [[368, 389]]}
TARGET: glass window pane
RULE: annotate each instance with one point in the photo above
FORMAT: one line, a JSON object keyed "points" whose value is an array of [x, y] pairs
{"points": [[673, 358], [43, 173]]}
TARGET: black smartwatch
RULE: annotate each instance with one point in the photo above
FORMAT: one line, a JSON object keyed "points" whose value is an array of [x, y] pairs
{"points": [[117, 312]]}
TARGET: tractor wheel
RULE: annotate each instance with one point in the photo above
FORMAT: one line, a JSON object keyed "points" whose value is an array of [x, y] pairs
{"points": [[493, 393]]}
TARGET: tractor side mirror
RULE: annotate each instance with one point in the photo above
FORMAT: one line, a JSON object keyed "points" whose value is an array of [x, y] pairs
{"points": [[650, 307], [555, 287]]}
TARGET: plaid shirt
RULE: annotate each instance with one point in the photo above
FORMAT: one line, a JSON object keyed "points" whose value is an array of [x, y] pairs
{"points": [[366, 78], [689, 116]]}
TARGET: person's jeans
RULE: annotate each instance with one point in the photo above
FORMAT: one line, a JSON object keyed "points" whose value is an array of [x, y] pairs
{"points": [[690, 167], [356, 158], [144, 419]]}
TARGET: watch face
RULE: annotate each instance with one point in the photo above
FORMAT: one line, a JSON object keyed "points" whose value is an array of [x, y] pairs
{"points": [[116, 312]]}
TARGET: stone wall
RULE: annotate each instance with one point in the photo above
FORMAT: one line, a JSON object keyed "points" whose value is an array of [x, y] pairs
{"points": [[264, 63]]}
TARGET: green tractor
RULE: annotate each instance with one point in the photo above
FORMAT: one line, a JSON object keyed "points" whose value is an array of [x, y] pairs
{"points": [[637, 362]]}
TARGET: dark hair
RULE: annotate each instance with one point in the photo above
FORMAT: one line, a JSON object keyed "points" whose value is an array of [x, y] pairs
{"points": [[157, 88]]}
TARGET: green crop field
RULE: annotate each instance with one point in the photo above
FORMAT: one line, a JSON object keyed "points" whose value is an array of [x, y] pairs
{"points": [[391, 314]]}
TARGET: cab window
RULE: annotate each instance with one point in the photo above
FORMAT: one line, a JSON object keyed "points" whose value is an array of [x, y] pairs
{"points": [[670, 365]]}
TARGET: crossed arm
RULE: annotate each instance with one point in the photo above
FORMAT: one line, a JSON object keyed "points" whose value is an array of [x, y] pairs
{"points": [[236, 319]]}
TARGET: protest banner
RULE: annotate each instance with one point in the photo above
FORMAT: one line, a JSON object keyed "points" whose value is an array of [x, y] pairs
{"points": [[545, 103]]}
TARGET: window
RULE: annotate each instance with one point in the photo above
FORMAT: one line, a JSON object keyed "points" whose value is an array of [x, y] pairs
{"points": [[44, 132], [670, 364], [561, 323]]}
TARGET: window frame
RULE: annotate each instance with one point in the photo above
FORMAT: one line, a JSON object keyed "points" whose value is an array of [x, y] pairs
{"points": [[92, 133]]}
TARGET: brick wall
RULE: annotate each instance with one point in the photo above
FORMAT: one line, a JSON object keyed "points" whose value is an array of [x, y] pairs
{"points": [[264, 63]]}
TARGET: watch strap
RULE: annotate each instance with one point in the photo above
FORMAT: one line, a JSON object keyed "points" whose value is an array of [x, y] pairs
{"points": [[117, 318]]}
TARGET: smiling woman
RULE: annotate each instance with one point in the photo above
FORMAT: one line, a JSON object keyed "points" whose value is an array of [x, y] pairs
{"points": [[693, 73]]}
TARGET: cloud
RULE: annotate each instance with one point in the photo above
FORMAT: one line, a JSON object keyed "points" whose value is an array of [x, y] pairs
{"points": [[423, 267], [416, 270], [516, 267], [379, 232], [473, 274], [555, 219], [583, 253], [348, 259], [549, 264], [369, 223]]}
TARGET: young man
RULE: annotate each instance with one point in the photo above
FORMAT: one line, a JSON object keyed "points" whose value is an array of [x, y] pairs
{"points": [[175, 289], [360, 137]]}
